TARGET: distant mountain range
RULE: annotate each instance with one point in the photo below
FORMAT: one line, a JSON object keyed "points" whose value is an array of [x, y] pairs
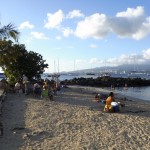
{"points": [[117, 69]]}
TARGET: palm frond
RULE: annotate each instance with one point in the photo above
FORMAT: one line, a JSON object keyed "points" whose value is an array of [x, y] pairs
{"points": [[9, 31]]}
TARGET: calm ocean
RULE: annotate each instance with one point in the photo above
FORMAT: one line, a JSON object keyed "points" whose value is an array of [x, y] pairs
{"points": [[142, 93]]}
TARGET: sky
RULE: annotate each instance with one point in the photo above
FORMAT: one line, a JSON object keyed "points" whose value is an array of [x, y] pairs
{"points": [[82, 34]]}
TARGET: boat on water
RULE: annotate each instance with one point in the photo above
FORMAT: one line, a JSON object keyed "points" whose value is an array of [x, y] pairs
{"points": [[72, 74], [148, 74], [90, 73], [105, 75], [136, 74], [53, 75]]}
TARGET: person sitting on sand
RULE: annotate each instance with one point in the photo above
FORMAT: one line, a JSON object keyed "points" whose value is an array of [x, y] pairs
{"points": [[97, 98], [108, 107]]}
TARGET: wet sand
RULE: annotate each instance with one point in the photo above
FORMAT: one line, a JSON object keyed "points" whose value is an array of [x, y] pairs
{"points": [[74, 122]]}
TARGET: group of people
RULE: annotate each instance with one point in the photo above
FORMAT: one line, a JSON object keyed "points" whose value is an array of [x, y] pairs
{"points": [[44, 88], [110, 105]]}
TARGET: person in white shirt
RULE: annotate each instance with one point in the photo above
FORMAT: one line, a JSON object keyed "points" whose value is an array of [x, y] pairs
{"points": [[25, 82], [17, 87]]}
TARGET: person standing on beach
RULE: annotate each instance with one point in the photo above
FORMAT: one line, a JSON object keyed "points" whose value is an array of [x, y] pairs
{"points": [[17, 87], [25, 82]]}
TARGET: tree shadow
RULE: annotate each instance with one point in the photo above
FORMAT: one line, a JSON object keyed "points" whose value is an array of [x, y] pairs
{"points": [[13, 121]]}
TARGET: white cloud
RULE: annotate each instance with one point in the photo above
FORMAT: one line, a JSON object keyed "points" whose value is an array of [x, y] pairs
{"points": [[80, 61], [58, 37], [123, 59], [146, 54], [131, 12], [54, 20], [93, 46], [27, 25], [39, 35], [95, 61], [67, 31], [94, 26], [134, 59], [74, 14], [131, 23], [29, 40], [143, 31]]}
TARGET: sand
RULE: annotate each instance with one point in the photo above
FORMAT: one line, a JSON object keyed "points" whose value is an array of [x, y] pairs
{"points": [[74, 122]]}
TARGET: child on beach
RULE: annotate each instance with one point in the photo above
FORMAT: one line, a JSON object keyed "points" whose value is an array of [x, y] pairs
{"points": [[98, 98]]}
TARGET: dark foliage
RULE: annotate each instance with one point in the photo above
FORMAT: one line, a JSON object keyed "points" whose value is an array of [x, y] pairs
{"points": [[15, 61]]}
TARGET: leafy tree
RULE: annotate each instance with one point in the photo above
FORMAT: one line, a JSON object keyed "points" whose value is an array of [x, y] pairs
{"points": [[15, 61], [9, 31]]}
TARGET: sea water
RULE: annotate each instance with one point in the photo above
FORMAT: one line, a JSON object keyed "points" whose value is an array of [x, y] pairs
{"points": [[142, 93]]}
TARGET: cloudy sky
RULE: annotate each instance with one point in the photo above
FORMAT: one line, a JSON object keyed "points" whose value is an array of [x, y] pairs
{"points": [[81, 34]]}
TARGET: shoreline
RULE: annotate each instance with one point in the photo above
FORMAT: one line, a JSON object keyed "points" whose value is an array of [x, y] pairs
{"points": [[73, 121], [118, 94]]}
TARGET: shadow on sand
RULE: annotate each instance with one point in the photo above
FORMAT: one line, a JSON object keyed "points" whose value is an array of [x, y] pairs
{"points": [[13, 120]]}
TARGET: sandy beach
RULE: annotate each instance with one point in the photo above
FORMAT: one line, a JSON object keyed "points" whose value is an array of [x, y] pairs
{"points": [[74, 122]]}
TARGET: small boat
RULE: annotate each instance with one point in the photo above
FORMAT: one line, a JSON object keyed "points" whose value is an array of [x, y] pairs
{"points": [[136, 74], [53, 75], [49, 75], [72, 74], [90, 74], [105, 75]]}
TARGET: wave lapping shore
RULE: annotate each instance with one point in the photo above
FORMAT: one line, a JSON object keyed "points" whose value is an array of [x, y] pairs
{"points": [[74, 122]]}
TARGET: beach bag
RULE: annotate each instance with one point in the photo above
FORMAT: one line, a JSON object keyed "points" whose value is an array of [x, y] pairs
{"points": [[115, 106]]}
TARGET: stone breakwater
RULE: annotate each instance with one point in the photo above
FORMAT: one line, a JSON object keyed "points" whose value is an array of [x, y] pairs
{"points": [[108, 82]]}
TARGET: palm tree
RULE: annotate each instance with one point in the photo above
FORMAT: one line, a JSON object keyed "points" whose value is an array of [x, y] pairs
{"points": [[9, 31]]}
